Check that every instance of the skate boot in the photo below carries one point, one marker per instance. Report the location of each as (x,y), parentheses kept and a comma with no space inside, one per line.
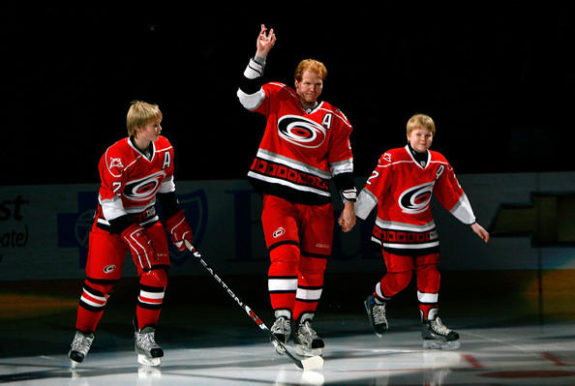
(376,314)
(149,352)
(307,342)
(79,348)
(282,331)
(436,335)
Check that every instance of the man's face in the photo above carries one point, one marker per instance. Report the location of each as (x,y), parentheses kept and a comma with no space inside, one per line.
(309,88)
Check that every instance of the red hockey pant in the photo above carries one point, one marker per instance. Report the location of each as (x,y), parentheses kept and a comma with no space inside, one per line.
(106,256)
(299,241)
(400,269)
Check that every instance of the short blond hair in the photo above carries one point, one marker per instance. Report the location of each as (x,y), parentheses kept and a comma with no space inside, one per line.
(420,121)
(140,114)
(310,65)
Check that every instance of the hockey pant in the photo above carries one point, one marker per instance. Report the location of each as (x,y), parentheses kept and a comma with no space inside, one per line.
(299,241)
(106,256)
(400,269)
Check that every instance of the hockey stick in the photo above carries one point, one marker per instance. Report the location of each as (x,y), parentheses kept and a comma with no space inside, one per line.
(310,363)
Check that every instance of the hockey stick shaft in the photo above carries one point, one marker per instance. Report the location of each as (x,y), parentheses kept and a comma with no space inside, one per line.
(243,306)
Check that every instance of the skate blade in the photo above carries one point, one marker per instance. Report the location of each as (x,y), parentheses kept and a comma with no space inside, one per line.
(149,373)
(439,345)
(145,361)
(73,364)
(382,332)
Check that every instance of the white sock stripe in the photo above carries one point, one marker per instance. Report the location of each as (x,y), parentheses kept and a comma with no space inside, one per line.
(378,290)
(92,303)
(427,297)
(102,299)
(309,294)
(152,295)
(282,284)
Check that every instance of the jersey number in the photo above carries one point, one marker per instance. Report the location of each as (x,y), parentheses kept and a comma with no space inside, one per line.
(374,174)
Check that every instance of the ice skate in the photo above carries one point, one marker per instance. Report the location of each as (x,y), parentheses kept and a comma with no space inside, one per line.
(376,314)
(307,342)
(437,336)
(282,331)
(149,352)
(79,348)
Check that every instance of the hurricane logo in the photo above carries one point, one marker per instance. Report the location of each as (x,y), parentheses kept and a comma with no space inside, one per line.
(416,200)
(279,232)
(145,188)
(301,131)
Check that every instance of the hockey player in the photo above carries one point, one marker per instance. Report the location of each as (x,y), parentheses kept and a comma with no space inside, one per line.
(401,186)
(304,147)
(135,172)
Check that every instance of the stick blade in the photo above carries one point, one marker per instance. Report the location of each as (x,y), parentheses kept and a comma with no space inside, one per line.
(312,363)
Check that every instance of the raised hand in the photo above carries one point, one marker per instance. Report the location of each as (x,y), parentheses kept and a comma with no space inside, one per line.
(265,42)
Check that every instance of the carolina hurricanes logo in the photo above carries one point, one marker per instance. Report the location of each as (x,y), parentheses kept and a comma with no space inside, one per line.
(145,188)
(279,232)
(301,131)
(416,199)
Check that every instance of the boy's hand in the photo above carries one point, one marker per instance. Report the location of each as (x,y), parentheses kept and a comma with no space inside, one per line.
(347,218)
(480,231)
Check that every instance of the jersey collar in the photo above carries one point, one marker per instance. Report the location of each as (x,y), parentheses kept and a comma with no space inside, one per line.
(149,154)
(421,159)
(311,110)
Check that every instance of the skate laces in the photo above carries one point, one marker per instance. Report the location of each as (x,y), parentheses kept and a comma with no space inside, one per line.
(82,342)
(306,333)
(378,313)
(438,327)
(281,326)
(145,339)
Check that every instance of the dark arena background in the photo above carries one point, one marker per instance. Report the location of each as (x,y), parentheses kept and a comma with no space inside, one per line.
(498,79)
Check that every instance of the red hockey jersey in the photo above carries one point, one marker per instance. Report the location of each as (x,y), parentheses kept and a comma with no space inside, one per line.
(130,181)
(300,150)
(402,190)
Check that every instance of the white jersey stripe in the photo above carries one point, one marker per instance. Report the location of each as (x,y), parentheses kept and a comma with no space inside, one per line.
(273,157)
(398,226)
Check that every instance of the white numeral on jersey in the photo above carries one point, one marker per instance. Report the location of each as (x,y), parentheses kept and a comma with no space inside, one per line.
(326,122)
(117,186)
(374,174)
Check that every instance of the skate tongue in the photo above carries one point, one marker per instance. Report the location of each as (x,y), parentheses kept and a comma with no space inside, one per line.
(315,362)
